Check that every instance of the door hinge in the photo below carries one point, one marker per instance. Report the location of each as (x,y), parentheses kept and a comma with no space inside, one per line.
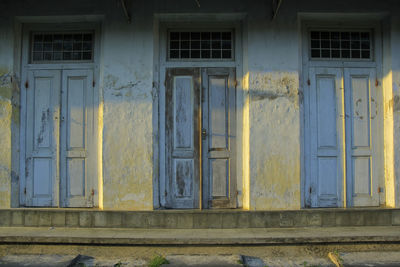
(380,190)
(26,84)
(235,83)
(92,192)
(308,82)
(310,190)
(94,83)
(376,83)
(203,134)
(25,190)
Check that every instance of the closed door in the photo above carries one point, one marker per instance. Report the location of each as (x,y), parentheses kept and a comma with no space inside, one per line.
(200,129)
(343,139)
(361,135)
(59,127)
(42,138)
(218,138)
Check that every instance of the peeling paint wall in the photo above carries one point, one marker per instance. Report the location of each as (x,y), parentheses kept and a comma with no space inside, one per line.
(5,137)
(274,112)
(6,113)
(127,111)
(274,141)
(394,80)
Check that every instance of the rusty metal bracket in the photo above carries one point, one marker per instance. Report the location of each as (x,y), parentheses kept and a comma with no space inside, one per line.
(126,13)
(276,4)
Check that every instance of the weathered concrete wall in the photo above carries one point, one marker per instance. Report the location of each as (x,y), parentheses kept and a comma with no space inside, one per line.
(127,87)
(6,110)
(274,112)
(395,80)
(274,141)
(5,136)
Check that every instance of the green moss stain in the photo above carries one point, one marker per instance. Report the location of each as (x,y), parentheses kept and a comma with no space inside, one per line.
(5,83)
(15,116)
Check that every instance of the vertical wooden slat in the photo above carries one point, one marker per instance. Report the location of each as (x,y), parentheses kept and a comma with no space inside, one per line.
(182,137)
(42,136)
(76,134)
(218,153)
(327,140)
(362,180)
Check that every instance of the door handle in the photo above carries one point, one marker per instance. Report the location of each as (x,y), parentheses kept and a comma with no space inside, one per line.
(203,134)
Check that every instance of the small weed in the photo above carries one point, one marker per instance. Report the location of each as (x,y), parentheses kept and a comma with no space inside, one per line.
(337,254)
(242,263)
(157,261)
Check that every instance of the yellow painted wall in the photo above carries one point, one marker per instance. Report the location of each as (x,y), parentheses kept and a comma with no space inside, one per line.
(127,132)
(274,140)
(5,137)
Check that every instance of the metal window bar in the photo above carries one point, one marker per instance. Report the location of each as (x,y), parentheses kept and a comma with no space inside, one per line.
(340,45)
(200,45)
(50,47)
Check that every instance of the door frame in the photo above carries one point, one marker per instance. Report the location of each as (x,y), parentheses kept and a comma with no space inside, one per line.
(26,66)
(163,25)
(339,23)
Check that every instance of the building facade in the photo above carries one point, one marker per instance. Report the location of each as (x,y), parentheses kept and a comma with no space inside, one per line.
(184,104)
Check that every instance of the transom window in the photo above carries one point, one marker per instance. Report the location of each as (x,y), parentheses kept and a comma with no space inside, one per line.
(340,44)
(209,45)
(61,46)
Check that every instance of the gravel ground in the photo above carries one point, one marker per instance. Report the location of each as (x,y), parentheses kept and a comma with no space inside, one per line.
(253,256)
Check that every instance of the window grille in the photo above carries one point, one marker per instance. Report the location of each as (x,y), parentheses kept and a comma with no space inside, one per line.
(200,45)
(340,44)
(55,47)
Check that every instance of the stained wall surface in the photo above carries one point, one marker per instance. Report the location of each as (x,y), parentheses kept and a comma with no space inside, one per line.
(6,109)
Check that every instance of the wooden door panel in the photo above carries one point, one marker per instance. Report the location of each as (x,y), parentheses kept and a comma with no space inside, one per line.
(219,171)
(362,181)
(328,194)
(183,108)
(42,181)
(76,177)
(326,113)
(77,130)
(183,178)
(42,138)
(326,122)
(218,111)
(219,126)
(76,111)
(182,138)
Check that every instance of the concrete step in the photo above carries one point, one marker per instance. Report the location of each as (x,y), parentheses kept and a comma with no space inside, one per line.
(243,236)
(198,219)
